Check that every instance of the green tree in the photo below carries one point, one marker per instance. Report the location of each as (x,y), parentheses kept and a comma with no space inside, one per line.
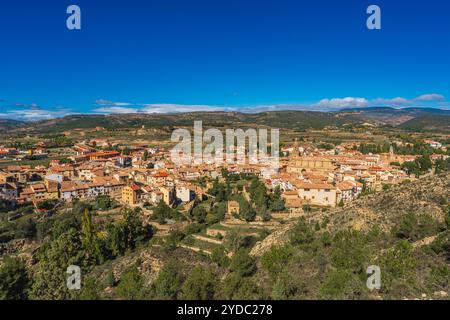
(54,257)
(26,229)
(90,290)
(350,251)
(398,266)
(169,281)
(442,165)
(235,240)
(127,234)
(246,211)
(131,284)
(199,214)
(14,281)
(447,217)
(87,231)
(145,155)
(221,191)
(162,212)
(424,163)
(258,193)
(276,201)
(110,280)
(439,278)
(89,239)
(218,256)
(415,227)
(240,288)
(104,202)
(276,259)
(342,284)
(217,213)
(242,263)
(302,233)
(285,288)
(199,285)
(134,231)
(116,240)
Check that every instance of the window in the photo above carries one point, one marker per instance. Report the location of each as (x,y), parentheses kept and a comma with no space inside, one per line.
(327,190)
(307,189)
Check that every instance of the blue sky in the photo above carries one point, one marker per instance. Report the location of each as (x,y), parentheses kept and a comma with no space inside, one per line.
(189,55)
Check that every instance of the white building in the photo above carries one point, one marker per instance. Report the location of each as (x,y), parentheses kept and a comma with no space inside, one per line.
(184,194)
(318,194)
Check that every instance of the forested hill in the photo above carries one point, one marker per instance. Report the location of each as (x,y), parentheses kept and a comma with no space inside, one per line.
(414,119)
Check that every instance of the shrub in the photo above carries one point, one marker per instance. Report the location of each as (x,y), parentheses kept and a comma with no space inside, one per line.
(242,263)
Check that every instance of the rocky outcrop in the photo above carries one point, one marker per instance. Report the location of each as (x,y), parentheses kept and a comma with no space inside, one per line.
(277,237)
(429,195)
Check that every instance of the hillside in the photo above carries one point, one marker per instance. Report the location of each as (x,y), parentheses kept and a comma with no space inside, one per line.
(405,231)
(428,123)
(417,119)
(426,196)
(298,120)
(325,256)
(318,258)
(405,118)
(382,210)
(8,124)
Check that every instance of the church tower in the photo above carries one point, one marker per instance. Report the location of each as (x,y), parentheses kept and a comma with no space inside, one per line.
(391,152)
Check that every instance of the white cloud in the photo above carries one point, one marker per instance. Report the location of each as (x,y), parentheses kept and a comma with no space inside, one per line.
(394,101)
(103,102)
(35,113)
(430,97)
(351,102)
(174,108)
(108,106)
(32,112)
(120,110)
(338,103)
(158,108)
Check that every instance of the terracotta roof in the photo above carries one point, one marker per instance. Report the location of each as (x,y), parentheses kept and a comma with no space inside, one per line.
(103,153)
(40,187)
(345,185)
(135,187)
(306,185)
(61,168)
(161,174)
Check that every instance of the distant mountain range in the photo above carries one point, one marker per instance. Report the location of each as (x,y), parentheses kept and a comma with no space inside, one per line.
(9,124)
(415,119)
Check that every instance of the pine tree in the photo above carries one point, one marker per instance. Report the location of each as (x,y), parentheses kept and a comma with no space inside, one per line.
(86,230)
(14,280)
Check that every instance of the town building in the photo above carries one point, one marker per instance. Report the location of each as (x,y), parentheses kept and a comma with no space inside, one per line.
(131,194)
(316,194)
